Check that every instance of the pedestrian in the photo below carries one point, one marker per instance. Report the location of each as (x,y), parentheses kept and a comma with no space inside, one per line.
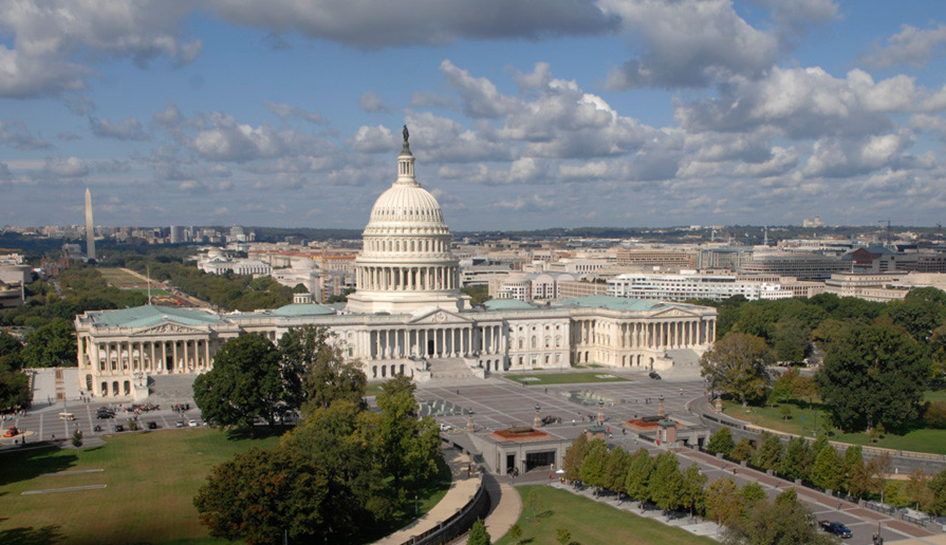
(573,421)
(624,431)
(546,390)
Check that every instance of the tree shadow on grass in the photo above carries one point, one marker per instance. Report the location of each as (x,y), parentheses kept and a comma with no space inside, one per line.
(47,535)
(28,464)
(256,432)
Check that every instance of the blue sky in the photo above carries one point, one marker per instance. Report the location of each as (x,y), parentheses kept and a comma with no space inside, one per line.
(523,115)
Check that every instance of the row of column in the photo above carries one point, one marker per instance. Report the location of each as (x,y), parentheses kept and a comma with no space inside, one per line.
(662,334)
(153,356)
(407,278)
(439,342)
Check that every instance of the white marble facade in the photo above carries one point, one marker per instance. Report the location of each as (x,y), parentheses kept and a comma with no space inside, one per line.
(407,316)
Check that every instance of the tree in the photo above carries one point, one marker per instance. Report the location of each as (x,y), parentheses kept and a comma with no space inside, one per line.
(852,459)
(666,482)
(736,365)
(615,471)
(478,534)
(918,490)
(316,370)
(535,504)
(742,451)
(409,445)
(797,459)
(593,470)
(721,442)
(827,471)
(575,457)
(261,494)
(637,482)
(937,485)
(51,345)
(515,533)
(723,501)
(785,521)
(563,536)
(792,340)
(77,439)
(873,374)
(246,382)
(751,493)
(692,495)
(769,455)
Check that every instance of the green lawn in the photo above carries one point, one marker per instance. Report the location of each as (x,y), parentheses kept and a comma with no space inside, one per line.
(805,421)
(120,278)
(566,378)
(151,480)
(593,523)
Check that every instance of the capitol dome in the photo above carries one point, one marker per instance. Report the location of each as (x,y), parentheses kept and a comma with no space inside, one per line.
(406,263)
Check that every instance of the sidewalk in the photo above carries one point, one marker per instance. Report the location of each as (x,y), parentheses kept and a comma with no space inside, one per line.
(461,491)
(505,506)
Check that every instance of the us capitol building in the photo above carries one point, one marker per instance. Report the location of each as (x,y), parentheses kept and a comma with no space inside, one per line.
(407,316)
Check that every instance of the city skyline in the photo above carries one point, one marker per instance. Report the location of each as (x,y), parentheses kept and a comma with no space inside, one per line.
(522,116)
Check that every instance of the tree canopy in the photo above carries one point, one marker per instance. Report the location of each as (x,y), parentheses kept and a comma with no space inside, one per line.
(736,365)
(873,374)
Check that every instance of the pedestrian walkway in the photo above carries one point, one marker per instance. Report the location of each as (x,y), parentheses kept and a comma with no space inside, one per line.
(505,506)
(461,491)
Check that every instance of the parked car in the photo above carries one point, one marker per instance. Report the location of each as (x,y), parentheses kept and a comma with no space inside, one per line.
(836,528)
(97,428)
(179,424)
(654,375)
(192,423)
(119,427)
(152,425)
(12,432)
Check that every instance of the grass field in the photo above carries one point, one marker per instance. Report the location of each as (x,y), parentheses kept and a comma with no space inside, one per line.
(567,378)
(593,523)
(804,420)
(151,480)
(120,278)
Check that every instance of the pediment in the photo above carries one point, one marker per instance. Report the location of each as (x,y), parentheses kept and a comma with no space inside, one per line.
(168,328)
(434,316)
(676,312)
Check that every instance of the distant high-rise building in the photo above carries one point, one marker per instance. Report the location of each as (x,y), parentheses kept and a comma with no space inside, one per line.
(177,234)
(89,226)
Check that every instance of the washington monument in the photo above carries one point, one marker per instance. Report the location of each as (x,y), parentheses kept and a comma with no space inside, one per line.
(89,227)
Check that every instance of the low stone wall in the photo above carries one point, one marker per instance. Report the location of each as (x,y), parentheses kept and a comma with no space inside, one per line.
(458,524)
(904,461)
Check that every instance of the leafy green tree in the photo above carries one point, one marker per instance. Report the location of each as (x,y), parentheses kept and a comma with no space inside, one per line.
(769,454)
(736,365)
(478,294)
(593,470)
(575,457)
(852,459)
(785,521)
(723,501)
(666,483)
(77,439)
(792,340)
(873,374)
(827,471)
(721,442)
(918,491)
(693,495)
(743,450)
(563,536)
(920,312)
(751,493)
(14,389)
(937,486)
(51,345)
(637,482)
(615,471)
(261,494)
(246,382)
(797,459)
(409,445)
(316,371)
(9,344)
(478,534)
(820,443)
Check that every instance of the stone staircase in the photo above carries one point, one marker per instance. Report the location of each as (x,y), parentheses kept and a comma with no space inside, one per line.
(450,368)
(684,357)
(171,388)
